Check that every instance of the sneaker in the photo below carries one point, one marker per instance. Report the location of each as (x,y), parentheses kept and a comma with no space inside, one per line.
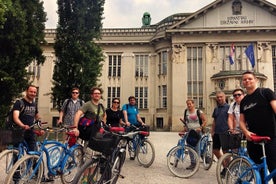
(191,167)
(222,173)
(45,180)
(132,158)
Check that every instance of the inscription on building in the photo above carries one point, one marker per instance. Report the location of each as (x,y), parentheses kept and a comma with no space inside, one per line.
(237,20)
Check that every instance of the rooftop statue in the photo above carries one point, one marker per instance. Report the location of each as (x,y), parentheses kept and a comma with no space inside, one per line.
(146,19)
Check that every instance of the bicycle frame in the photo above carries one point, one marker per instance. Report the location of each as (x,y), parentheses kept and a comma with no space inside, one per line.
(56,155)
(257,168)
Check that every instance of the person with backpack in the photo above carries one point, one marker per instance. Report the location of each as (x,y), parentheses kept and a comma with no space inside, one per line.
(234,110)
(25,117)
(70,107)
(131,113)
(257,116)
(194,121)
(89,117)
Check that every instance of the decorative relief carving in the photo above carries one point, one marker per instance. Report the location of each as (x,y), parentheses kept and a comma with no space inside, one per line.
(263,51)
(212,52)
(178,52)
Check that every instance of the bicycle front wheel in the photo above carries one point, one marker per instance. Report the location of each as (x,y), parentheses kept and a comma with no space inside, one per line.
(117,166)
(145,153)
(26,170)
(7,160)
(92,172)
(240,171)
(222,166)
(72,164)
(183,162)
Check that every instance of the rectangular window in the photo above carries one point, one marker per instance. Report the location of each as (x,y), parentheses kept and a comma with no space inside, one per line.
(141,65)
(114,65)
(274,65)
(159,123)
(34,69)
(162,90)
(112,92)
(141,95)
(195,75)
(241,62)
(163,61)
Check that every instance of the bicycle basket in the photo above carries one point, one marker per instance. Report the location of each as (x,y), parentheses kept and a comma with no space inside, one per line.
(104,144)
(11,136)
(230,141)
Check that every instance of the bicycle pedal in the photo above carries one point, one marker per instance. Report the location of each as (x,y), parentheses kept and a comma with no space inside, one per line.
(121,176)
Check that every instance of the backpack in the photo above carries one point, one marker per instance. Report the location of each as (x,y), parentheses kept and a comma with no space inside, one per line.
(67,103)
(197,113)
(10,124)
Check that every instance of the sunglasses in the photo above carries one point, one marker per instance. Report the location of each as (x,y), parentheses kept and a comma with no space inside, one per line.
(75,92)
(116,102)
(237,95)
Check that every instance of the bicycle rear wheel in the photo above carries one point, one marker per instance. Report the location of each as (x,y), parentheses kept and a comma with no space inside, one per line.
(72,164)
(183,162)
(239,172)
(145,153)
(7,160)
(26,170)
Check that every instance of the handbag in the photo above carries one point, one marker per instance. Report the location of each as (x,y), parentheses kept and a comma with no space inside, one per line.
(89,126)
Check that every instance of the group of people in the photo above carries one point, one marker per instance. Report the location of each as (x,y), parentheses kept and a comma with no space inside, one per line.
(252,113)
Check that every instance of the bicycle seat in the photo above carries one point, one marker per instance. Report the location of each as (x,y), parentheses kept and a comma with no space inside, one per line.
(181,134)
(38,132)
(257,139)
(117,129)
(144,133)
(72,134)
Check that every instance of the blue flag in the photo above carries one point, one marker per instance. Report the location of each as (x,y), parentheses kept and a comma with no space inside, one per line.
(250,54)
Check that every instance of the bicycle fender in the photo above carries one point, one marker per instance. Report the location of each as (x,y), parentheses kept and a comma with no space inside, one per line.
(171,150)
(252,163)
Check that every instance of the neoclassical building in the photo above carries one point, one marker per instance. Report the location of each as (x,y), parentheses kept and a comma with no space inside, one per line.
(184,56)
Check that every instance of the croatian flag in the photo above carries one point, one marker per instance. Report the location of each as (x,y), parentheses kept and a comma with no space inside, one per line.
(231,55)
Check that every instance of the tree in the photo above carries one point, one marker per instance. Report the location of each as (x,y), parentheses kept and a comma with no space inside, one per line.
(20,43)
(79,58)
(5,5)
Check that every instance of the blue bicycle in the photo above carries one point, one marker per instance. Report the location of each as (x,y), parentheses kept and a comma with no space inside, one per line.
(60,160)
(243,170)
(9,156)
(139,146)
(235,146)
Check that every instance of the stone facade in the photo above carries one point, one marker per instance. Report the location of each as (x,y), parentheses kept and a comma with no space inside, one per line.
(191,42)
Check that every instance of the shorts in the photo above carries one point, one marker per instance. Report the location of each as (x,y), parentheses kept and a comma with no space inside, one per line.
(216,142)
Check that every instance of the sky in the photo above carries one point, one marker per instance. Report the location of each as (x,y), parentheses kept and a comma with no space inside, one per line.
(128,13)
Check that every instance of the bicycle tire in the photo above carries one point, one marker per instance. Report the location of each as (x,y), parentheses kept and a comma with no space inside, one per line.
(7,162)
(236,168)
(91,172)
(207,155)
(145,153)
(222,161)
(131,150)
(73,162)
(179,160)
(23,170)
(117,166)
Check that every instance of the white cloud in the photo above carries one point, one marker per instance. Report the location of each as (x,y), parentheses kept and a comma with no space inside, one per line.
(128,13)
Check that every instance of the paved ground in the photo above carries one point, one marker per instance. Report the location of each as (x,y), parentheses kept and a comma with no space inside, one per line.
(158,172)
